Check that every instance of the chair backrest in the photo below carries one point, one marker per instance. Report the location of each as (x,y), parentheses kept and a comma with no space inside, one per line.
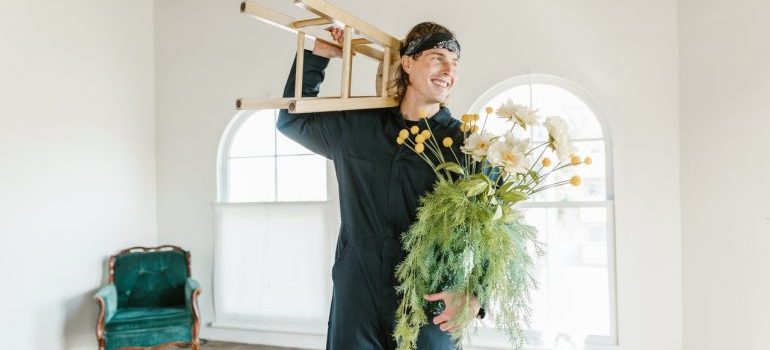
(150,277)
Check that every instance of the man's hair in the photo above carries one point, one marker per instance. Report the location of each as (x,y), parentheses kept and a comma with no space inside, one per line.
(421,30)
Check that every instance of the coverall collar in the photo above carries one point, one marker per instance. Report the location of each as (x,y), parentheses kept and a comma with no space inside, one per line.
(443,117)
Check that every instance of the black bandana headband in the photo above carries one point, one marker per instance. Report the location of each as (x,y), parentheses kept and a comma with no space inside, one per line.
(431,41)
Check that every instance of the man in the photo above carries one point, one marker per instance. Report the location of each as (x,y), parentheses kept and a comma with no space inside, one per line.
(380,183)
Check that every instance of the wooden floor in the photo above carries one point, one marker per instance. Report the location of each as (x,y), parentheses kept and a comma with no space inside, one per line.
(218,345)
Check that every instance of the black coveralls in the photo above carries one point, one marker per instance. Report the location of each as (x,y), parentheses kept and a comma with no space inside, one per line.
(380,184)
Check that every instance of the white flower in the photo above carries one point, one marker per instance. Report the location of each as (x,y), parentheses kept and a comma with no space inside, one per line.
(558,137)
(509,154)
(519,114)
(511,141)
(477,145)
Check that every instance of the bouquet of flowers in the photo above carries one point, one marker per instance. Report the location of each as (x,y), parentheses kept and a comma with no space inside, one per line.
(469,238)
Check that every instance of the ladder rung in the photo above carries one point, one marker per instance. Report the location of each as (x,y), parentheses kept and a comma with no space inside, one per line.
(360,41)
(341,104)
(327,10)
(316,104)
(282,21)
(310,22)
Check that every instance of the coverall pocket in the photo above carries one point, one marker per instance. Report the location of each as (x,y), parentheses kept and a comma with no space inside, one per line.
(343,247)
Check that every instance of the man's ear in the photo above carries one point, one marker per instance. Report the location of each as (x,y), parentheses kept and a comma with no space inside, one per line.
(406,63)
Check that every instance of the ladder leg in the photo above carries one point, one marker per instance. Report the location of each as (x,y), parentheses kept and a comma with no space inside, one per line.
(346,62)
(300,64)
(385,72)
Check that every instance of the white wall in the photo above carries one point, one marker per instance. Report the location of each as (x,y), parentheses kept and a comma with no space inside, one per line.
(77,160)
(623,53)
(725,123)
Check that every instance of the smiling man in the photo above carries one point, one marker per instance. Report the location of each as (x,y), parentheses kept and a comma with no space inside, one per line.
(380,184)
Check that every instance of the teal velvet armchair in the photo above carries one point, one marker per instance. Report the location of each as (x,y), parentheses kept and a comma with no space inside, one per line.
(150,300)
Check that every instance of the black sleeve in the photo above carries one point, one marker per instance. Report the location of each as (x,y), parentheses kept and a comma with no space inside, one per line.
(319,132)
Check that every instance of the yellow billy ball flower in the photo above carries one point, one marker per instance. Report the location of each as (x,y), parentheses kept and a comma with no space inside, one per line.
(475,128)
(575,180)
(575,159)
(419,138)
(546,162)
(465,127)
(476,117)
(447,142)
(400,141)
(466,118)
(422,114)
(425,134)
(419,147)
(489,110)
(588,161)
(403,133)
(414,130)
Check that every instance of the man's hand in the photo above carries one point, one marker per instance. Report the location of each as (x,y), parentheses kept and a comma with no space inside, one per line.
(323,49)
(454,304)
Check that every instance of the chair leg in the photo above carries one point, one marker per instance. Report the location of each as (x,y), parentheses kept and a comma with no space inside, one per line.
(196,326)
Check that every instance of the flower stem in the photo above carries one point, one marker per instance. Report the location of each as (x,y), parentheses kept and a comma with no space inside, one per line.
(532,166)
(433,137)
(560,183)
(536,147)
(455,155)
(425,158)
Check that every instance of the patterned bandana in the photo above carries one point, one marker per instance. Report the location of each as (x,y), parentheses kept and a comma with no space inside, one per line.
(432,41)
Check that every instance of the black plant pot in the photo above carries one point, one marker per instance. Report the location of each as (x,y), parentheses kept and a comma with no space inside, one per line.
(435,308)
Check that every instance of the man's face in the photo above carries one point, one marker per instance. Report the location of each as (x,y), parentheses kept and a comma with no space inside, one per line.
(433,74)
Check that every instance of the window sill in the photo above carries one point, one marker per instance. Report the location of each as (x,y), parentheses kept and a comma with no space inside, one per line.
(258,204)
(484,339)
(288,327)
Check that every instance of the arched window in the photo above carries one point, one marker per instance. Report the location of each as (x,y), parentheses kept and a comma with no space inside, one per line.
(273,219)
(259,164)
(574,306)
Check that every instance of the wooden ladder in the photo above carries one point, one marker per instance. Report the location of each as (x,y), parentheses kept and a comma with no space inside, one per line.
(328,14)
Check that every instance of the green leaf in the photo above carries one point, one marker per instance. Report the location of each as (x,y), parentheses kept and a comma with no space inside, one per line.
(479,177)
(521,188)
(498,213)
(451,166)
(513,196)
(474,187)
(534,175)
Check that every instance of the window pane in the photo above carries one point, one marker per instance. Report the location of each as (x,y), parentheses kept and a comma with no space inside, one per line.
(251,179)
(572,300)
(259,279)
(574,271)
(498,125)
(548,100)
(593,186)
(255,136)
(553,100)
(287,146)
(302,178)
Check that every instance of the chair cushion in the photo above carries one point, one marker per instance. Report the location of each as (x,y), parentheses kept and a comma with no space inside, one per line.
(147,279)
(135,318)
(150,338)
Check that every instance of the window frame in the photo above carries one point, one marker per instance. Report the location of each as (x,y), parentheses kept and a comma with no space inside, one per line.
(310,328)
(494,338)
(223,160)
